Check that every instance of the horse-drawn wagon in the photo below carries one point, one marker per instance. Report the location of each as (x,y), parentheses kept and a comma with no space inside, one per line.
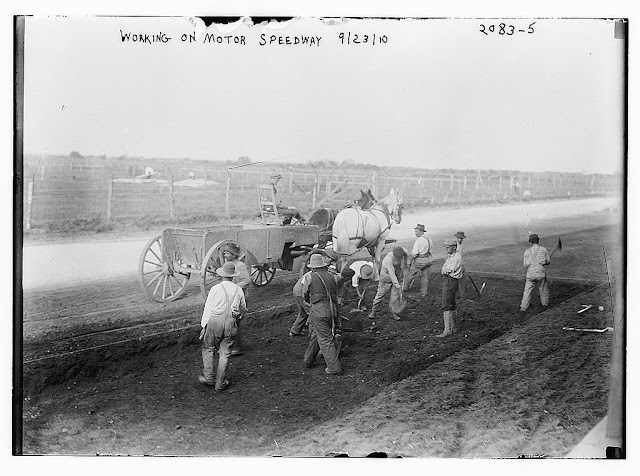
(169,260)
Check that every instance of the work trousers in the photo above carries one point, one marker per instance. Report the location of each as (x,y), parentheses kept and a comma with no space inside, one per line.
(449,291)
(219,336)
(237,343)
(543,289)
(423,274)
(321,338)
(383,289)
(302,317)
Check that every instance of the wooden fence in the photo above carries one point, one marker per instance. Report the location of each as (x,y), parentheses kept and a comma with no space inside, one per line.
(62,189)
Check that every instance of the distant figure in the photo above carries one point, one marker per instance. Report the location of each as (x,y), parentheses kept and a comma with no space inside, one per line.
(535,260)
(526,195)
(148,171)
(192,175)
(516,188)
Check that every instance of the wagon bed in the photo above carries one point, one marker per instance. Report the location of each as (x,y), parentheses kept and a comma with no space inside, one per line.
(168,261)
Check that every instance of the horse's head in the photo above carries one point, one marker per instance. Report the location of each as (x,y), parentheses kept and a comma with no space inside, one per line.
(393,201)
(366,199)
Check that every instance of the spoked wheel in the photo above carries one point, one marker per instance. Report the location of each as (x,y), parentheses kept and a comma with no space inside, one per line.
(262,274)
(157,276)
(214,260)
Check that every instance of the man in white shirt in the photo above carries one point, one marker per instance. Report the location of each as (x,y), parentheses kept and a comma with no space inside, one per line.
(452,271)
(535,260)
(224,307)
(420,261)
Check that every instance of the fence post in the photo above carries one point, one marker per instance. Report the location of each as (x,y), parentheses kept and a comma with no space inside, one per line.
(109,198)
(374,184)
(172,207)
(500,185)
(29,205)
(205,176)
(242,181)
(451,183)
(465,182)
(290,181)
(226,199)
(314,194)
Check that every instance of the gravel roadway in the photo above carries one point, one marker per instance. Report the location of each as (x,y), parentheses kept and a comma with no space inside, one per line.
(47,265)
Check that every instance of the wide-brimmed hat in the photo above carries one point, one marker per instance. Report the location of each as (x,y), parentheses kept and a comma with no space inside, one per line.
(460,234)
(233,249)
(366,271)
(316,261)
(228,270)
(451,242)
(420,227)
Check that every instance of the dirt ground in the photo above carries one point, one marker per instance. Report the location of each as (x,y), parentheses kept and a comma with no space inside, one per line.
(108,372)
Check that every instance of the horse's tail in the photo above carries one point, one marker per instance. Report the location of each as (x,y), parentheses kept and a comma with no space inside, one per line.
(341,235)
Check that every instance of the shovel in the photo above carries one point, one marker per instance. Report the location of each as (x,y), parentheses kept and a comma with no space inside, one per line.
(606,329)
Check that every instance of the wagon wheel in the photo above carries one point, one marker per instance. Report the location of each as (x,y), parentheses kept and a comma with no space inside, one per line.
(262,274)
(157,276)
(214,259)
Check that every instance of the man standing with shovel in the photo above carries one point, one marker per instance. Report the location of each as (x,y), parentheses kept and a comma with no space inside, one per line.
(452,271)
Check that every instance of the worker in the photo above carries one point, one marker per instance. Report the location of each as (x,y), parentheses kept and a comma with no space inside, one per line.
(321,292)
(360,274)
(535,259)
(223,309)
(462,284)
(231,254)
(420,261)
(303,307)
(391,272)
(452,271)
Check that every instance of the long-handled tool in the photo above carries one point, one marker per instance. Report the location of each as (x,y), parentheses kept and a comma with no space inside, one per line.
(557,248)
(606,329)
(585,307)
(479,291)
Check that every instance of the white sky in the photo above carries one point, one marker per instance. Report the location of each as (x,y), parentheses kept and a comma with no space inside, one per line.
(439,93)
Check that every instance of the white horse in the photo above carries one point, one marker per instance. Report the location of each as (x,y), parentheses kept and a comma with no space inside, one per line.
(354,229)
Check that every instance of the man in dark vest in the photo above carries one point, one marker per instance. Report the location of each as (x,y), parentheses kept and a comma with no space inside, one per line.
(321,292)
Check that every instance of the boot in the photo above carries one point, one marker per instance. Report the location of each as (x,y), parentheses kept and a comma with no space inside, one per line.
(453,315)
(447,324)
(372,314)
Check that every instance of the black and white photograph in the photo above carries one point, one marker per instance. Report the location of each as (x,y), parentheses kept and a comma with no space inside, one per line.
(320,236)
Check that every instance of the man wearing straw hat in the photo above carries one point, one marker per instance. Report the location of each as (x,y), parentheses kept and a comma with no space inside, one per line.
(420,261)
(232,254)
(452,271)
(321,292)
(224,307)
